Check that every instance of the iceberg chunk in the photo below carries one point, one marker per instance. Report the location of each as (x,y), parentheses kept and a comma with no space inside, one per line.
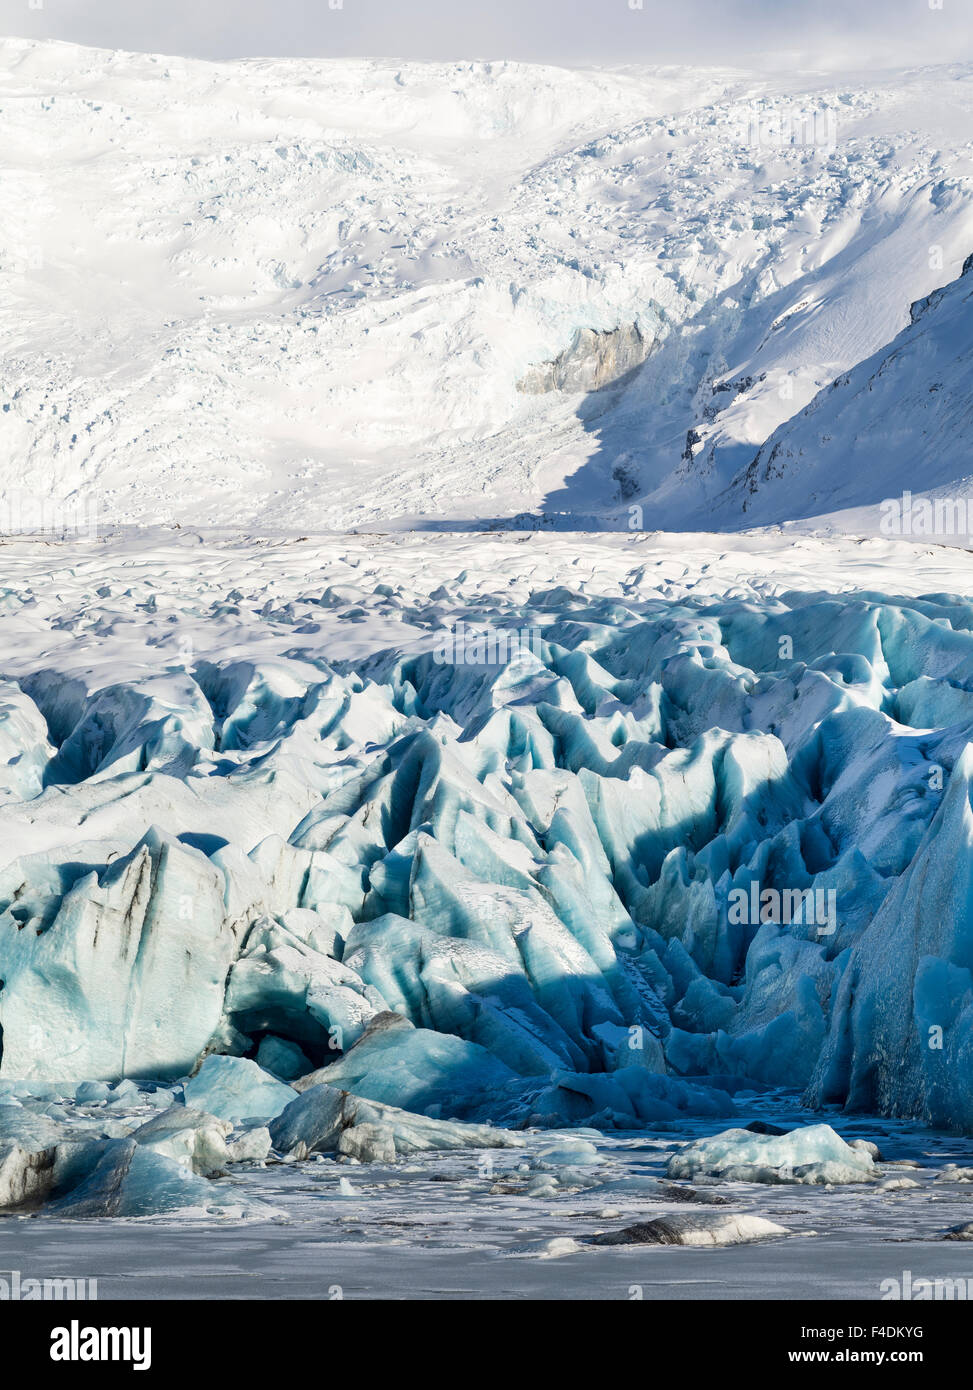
(317,1120)
(814,1154)
(187,1136)
(132,1180)
(234,1088)
(695,1228)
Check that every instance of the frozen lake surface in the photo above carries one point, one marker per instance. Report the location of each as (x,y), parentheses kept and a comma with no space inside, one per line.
(439,1229)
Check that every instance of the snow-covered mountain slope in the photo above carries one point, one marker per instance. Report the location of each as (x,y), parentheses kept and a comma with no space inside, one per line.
(900,421)
(306,294)
(602,820)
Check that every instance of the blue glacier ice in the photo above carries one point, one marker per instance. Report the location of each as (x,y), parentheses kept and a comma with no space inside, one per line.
(235,1088)
(813,1154)
(677,847)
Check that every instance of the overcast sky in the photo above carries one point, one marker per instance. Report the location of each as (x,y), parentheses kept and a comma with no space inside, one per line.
(831,32)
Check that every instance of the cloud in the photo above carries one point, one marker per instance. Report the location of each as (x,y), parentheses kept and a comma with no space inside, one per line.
(813,32)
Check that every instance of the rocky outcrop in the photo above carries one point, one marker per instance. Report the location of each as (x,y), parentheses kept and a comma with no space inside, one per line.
(591,362)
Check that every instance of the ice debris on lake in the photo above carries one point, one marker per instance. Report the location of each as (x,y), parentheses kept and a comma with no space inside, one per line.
(694,1228)
(83,1167)
(325,1119)
(814,1154)
(390,901)
(146,1160)
(234,1088)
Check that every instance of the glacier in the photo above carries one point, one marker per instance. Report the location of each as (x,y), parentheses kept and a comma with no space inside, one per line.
(425,838)
(363,815)
(335,294)
(344,895)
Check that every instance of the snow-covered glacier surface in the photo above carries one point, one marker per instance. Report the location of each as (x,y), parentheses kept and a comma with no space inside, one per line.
(380,850)
(321,295)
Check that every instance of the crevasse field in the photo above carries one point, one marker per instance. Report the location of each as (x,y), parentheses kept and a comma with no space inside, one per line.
(502,898)
(454,937)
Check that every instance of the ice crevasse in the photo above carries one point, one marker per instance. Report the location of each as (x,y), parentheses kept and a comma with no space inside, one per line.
(668,849)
